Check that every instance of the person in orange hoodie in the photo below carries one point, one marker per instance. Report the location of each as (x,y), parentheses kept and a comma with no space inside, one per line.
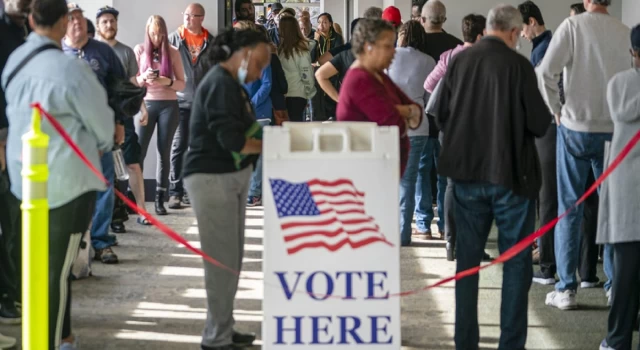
(192,40)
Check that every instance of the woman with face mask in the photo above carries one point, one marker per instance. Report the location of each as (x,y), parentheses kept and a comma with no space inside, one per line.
(224,145)
(368,94)
(162,73)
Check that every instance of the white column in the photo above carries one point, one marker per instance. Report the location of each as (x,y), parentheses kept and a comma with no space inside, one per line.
(360,6)
(631,12)
(337,10)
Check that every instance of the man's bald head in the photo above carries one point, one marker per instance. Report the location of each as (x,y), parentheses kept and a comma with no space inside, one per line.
(195,7)
(193,18)
(434,14)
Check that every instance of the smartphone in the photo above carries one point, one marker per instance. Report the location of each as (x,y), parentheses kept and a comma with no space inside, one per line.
(156,72)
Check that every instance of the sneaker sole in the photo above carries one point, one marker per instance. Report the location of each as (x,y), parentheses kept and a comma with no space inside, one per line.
(544,281)
(587,285)
(564,308)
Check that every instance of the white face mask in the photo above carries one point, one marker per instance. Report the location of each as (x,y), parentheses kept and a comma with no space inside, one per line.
(243,70)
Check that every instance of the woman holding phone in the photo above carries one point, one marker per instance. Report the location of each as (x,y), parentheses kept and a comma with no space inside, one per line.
(162,73)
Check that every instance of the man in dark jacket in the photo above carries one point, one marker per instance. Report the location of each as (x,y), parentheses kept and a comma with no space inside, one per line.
(535,31)
(491,111)
(193,41)
(13,31)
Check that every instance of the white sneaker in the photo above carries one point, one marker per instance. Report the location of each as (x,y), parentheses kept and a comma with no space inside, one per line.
(7,342)
(605,346)
(587,284)
(562,300)
(608,297)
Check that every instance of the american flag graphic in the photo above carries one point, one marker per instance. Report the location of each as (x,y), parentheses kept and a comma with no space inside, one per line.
(324,214)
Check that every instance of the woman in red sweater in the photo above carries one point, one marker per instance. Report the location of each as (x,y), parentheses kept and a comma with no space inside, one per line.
(368,94)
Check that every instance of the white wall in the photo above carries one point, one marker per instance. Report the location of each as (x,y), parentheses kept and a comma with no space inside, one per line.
(131,26)
(553,11)
(134,15)
(631,12)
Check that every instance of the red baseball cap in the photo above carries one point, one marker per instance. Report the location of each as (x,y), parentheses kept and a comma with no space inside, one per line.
(392,14)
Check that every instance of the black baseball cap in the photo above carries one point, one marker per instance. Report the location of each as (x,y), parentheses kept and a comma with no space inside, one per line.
(635,37)
(107,9)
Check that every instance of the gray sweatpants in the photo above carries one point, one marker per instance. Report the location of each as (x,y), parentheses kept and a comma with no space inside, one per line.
(219,202)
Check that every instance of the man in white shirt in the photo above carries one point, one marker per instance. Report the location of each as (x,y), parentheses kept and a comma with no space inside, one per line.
(590,48)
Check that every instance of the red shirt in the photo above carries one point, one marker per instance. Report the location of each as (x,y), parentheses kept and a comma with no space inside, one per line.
(363,98)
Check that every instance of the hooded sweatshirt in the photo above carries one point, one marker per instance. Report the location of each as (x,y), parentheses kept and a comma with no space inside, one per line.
(192,67)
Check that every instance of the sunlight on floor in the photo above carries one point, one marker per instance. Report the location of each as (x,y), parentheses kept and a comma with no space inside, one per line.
(247,247)
(159,337)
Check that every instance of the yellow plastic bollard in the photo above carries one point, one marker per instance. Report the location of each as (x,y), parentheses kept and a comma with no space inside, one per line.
(35,238)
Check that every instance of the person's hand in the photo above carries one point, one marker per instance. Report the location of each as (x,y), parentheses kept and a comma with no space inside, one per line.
(144,118)
(160,81)
(317,35)
(119,136)
(149,75)
(557,119)
(413,120)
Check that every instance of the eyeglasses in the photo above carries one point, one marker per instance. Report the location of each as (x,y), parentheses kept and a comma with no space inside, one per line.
(188,15)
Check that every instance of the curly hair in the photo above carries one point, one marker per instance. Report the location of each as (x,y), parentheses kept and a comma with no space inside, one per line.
(368,31)
(413,35)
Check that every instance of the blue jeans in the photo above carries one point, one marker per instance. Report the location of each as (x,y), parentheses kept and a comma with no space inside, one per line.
(101,222)
(408,187)
(424,197)
(255,189)
(476,205)
(577,153)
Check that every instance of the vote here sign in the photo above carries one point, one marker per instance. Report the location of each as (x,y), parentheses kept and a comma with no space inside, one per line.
(331,258)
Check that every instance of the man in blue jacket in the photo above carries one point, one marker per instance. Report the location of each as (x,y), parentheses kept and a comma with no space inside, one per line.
(260,91)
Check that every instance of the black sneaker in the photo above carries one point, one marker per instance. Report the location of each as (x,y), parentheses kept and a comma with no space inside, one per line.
(9,314)
(242,339)
(224,347)
(185,199)
(118,227)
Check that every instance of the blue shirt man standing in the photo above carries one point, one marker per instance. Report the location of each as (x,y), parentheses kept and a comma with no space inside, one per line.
(104,62)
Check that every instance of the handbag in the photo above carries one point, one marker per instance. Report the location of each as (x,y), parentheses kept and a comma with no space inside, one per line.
(125,98)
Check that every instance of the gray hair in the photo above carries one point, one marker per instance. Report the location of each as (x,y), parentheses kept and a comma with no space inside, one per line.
(373,12)
(601,2)
(434,12)
(368,31)
(504,18)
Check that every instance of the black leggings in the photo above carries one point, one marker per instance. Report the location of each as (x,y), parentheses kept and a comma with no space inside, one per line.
(625,295)
(166,115)
(295,107)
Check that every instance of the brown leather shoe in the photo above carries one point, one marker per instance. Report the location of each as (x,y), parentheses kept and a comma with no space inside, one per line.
(106,255)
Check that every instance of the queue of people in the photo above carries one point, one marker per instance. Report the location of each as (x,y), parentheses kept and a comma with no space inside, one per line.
(552,121)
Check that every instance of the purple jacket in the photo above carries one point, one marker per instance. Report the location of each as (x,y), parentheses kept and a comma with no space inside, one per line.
(441,68)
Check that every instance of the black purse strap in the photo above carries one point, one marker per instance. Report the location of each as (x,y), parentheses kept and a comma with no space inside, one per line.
(27,59)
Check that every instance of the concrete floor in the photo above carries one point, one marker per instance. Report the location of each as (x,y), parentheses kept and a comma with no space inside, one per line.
(154,299)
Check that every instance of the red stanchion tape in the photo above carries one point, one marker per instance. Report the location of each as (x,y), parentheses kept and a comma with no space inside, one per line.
(519,247)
